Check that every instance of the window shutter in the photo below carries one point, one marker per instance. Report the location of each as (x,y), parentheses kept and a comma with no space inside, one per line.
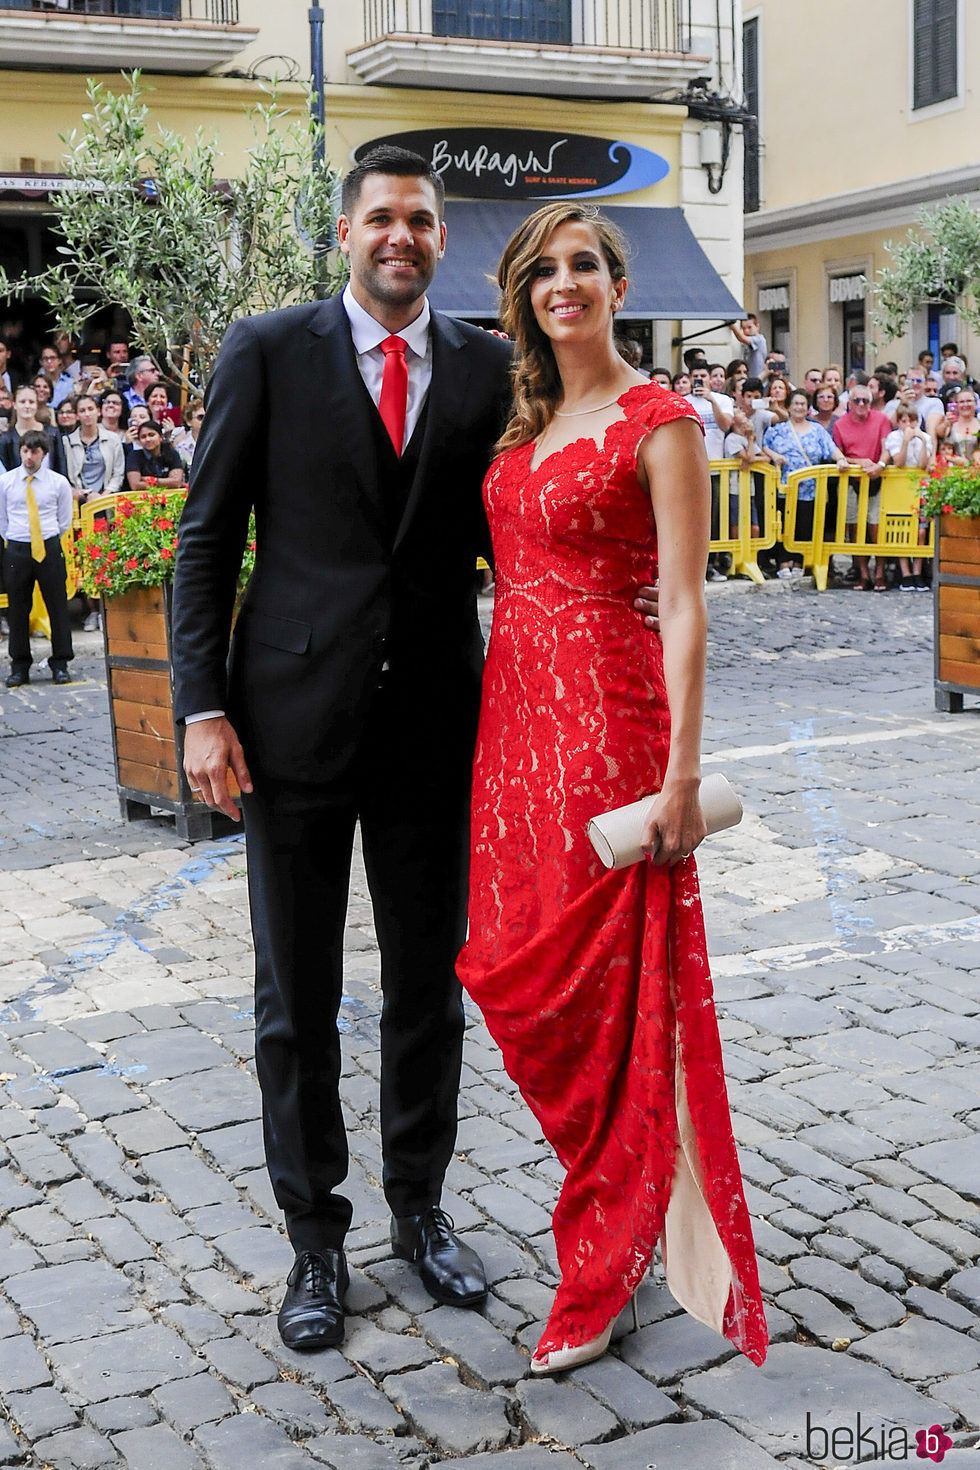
(750,88)
(934,61)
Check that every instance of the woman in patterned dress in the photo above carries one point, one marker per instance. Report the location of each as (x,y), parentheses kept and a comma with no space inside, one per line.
(595,984)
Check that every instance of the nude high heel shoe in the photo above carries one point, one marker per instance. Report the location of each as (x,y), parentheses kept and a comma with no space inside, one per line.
(564,1358)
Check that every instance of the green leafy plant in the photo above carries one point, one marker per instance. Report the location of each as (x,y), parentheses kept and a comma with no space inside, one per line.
(954,491)
(137,547)
(148,224)
(937,265)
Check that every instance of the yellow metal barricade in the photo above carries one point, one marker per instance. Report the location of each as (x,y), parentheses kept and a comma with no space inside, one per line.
(745,497)
(835,533)
(99,507)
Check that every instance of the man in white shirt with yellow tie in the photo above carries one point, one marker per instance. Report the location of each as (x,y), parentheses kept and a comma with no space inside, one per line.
(35,512)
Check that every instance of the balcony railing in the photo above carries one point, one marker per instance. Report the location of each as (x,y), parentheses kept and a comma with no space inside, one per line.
(212,12)
(561,48)
(178,36)
(629,25)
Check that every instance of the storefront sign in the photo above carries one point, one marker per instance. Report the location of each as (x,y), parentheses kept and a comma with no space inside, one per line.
(518,163)
(45,184)
(847,288)
(774,298)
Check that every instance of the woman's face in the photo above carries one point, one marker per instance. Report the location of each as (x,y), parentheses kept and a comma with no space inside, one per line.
(43,389)
(682,383)
(66,416)
(798,406)
(966,402)
(832,376)
(156,399)
(572,292)
(824,400)
(25,403)
(197,419)
(88,413)
(777,391)
(112,406)
(138,415)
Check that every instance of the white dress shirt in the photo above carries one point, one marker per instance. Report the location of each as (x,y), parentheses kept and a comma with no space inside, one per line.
(54,504)
(368,335)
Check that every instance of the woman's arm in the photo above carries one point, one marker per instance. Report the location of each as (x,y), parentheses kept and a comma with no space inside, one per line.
(674,468)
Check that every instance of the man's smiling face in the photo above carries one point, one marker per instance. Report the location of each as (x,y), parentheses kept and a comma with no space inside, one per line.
(394,238)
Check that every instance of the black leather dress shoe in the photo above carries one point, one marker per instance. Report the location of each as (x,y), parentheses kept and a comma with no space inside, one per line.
(16,679)
(60,676)
(450,1272)
(312,1313)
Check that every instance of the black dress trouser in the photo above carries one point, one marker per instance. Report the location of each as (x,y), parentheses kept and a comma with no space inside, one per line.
(414,833)
(20,572)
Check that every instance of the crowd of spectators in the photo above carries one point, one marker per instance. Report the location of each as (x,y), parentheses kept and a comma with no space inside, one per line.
(752,411)
(107,420)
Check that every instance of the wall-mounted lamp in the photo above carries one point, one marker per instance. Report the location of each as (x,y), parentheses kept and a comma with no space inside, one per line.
(711,154)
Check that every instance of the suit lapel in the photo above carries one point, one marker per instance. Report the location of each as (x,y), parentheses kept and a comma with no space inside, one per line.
(341,405)
(447,391)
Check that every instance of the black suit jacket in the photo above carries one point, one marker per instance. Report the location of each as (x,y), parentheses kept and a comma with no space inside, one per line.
(289,430)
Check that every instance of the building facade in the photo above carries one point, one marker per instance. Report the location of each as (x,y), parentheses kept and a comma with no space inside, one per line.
(628,102)
(866,113)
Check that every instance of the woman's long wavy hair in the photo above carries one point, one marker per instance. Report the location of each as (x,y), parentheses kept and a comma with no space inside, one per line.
(536,383)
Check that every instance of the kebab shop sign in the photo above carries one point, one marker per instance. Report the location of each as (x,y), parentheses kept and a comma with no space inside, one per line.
(524,163)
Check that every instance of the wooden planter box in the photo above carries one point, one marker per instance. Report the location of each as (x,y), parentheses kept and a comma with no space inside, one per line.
(957,610)
(147,745)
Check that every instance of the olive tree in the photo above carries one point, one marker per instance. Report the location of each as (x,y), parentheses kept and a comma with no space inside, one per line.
(935,266)
(147,223)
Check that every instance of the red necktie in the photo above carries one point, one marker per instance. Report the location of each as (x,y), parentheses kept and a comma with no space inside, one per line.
(393,402)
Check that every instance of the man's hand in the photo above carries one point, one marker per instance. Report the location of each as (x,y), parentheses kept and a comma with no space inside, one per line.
(647,602)
(211,748)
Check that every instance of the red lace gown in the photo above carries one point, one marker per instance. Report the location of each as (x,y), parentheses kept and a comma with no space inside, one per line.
(595,983)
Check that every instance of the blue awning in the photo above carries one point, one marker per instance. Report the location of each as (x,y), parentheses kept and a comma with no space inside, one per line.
(670,277)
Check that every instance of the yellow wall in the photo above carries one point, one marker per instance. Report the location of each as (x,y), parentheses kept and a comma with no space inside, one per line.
(816,335)
(815,339)
(836,99)
(37,107)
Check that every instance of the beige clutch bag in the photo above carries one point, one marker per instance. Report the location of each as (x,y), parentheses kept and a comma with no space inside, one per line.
(616,835)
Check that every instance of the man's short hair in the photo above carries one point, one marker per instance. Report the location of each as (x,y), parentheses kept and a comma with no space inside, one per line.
(950,347)
(860,378)
(695,355)
(387,159)
(35,439)
(137,366)
(752,385)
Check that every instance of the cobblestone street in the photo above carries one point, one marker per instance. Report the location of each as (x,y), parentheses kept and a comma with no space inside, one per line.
(141,1257)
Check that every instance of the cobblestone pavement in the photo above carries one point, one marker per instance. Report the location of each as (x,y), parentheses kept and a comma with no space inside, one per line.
(141,1259)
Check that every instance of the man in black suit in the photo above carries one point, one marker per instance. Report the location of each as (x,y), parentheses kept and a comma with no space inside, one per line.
(351,695)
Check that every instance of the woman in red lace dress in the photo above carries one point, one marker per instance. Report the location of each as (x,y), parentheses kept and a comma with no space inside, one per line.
(595,984)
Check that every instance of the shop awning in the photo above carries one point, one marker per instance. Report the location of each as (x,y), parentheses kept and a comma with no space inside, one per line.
(671,278)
